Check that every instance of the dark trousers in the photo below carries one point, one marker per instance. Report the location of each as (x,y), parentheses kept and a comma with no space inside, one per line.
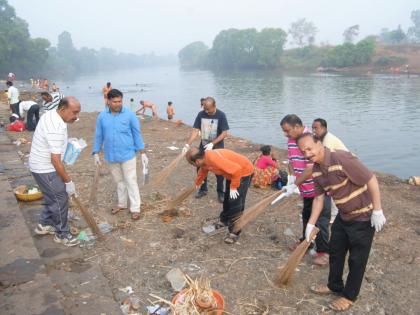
(56,202)
(323,222)
(32,117)
(356,238)
(233,208)
(220,184)
(15,108)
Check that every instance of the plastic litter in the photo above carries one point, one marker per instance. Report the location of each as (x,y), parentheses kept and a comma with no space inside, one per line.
(105,227)
(157,310)
(127,290)
(73,150)
(173,148)
(209,228)
(177,279)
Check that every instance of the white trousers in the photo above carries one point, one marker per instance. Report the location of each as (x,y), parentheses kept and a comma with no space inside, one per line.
(125,175)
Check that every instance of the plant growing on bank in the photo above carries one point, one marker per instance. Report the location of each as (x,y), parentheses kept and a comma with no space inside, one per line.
(194,55)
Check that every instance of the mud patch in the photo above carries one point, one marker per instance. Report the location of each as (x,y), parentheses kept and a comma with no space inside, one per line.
(20,271)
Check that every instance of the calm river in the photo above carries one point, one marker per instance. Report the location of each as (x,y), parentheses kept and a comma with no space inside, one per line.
(377,117)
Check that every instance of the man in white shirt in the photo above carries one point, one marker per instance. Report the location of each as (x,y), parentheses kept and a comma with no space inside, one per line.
(51,100)
(13,97)
(30,109)
(45,162)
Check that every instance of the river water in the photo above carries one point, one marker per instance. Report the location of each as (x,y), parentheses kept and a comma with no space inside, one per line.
(376,116)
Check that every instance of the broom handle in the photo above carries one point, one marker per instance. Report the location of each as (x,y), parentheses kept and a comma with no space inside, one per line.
(94,188)
(88,217)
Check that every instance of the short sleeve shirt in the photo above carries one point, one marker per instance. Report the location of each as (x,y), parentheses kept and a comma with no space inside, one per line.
(211,127)
(345,178)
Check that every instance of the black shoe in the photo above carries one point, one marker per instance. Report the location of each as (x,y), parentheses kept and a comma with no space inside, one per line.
(221,197)
(200,194)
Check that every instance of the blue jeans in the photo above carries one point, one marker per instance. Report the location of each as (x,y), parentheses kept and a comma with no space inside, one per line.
(56,202)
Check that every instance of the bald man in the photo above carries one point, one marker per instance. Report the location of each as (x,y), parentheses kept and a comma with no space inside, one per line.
(49,144)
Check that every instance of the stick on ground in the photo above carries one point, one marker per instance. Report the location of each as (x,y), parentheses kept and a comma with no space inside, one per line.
(161,177)
(176,201)
(285,275)
(88,218)
(254,211)
(94,188)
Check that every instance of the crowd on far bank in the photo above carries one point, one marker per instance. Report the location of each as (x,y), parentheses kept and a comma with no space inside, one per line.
(333,183)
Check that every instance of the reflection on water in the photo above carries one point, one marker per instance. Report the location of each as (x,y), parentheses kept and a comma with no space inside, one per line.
(377,117)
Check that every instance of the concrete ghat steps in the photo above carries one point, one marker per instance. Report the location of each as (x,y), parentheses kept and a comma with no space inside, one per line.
(32,277)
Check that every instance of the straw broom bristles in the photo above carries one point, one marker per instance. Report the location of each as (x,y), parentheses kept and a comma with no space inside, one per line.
(88,218)
(161,177)
(176,201)
(252,212)
(285,275)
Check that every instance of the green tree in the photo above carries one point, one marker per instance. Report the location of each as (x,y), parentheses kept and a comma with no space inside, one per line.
(270,43)
(414,31)
(303,32)
(393,37)
(351,33)
(193,55)
(349,54)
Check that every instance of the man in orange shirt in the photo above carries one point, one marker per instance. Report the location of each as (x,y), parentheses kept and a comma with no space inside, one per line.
(105,91)
(237,170)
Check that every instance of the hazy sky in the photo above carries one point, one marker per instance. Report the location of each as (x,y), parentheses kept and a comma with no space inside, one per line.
(165,26)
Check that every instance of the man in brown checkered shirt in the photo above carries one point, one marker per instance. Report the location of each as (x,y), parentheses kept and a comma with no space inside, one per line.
(355,191)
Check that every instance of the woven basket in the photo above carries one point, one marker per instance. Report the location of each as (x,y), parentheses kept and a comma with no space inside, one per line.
(20,195)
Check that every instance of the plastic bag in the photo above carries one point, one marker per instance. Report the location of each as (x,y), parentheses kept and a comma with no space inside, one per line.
(17,125)
(73,150)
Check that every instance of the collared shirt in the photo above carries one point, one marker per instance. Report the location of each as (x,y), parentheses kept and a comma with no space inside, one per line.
(50,137)
(229,164)
(299,164)
(56,98)
(345,178)
(13,95)
(119,134)
(333,143)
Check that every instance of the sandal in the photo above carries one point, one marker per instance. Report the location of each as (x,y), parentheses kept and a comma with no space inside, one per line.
(116,210)
(231,238)
(321,289)
(135,216)
(340,305)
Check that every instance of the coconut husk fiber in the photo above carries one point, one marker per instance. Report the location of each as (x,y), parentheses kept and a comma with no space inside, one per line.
(284,277)
(177,200)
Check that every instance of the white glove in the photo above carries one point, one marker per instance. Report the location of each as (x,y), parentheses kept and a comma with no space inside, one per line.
(290,189)
(234,193)
(186,148)
(144,160)
(377,220)
(70,188)
(209,146)
(97,159)
(291,179)
(308,231)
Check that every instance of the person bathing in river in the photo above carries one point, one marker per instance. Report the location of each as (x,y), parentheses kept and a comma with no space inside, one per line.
(145,105)
(170,111)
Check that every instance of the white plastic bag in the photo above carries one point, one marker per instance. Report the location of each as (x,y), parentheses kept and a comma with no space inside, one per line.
(73,150)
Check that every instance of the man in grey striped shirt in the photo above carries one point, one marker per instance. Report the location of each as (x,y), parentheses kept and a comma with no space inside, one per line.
(51,100)
(45,162)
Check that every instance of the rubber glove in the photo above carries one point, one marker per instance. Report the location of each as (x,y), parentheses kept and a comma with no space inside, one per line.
(291,179)
(234,194)
(186,148)
(308,231)
(70,188)
(97,159)
(144,160)
(209,146)
(377,220)
(290,189)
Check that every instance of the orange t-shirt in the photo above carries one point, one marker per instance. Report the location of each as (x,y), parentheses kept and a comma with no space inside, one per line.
(229,164)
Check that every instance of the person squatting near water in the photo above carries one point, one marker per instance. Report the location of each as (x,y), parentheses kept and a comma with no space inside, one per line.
(237,170)
(213,126)
(301,177)
(49,144)
(118,131)
(355,191)
(145,105)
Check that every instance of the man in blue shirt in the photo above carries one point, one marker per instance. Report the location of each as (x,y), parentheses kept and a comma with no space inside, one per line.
(118,131)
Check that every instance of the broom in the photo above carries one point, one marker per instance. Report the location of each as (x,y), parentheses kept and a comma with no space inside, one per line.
(88,218)
(252,212)
(176,201)
(167,171)
(94,189)
(286,273)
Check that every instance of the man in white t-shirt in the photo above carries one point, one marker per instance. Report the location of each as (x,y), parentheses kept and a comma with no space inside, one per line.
(30,110)
(13,97)
(45,162)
